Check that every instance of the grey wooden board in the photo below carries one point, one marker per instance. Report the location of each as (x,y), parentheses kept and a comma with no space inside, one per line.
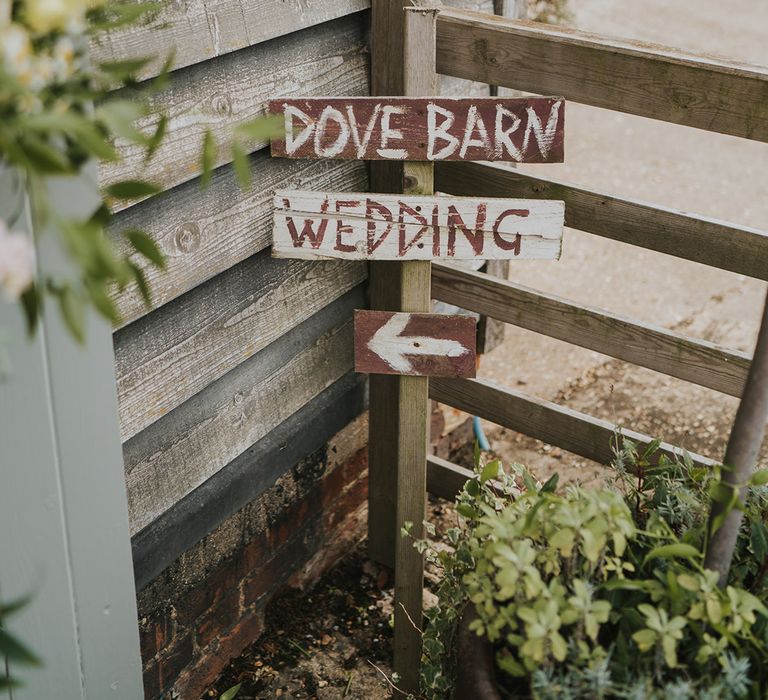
(199,31)
(717,243)
(65,539)
(330,59)
(203,233)
(165,358)
(644,344)
(176,454)
(445,479)
(246,477)
(554,424)
(627,76)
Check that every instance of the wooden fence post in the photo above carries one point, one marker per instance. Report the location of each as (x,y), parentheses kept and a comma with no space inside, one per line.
(384,286)
(419,78)
(64,538)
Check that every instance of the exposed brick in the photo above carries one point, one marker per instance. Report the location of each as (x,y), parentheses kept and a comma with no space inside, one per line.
(222,615)
(151,679)
(193,681)
(173,661)
(156,634)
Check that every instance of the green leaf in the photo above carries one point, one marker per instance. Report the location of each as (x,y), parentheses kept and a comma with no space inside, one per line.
(8,609)
(119,117)
(231,693)
(490,471)
(102,301)
(43,157)
(670,551)
(127,68)
(759,478)
(207,158)
(31,304)
(146,246)
(141,282)
(15,651)
(72,312)
(241,165)
(551,484)
(157,137)
(262,128)
(132,189)
(759,541)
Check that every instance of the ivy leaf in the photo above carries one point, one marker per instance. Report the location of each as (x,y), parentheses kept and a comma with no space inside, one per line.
(551,484)
(146,246)
(231,693)
(678,550)
(490,471)
(132,189)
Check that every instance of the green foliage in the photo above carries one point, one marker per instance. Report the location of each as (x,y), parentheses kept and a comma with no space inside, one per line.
(231,693)
(58,112)
(12,650)
(602,593)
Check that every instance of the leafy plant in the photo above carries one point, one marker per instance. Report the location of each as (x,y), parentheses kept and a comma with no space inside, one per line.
(58,113)
(601,593)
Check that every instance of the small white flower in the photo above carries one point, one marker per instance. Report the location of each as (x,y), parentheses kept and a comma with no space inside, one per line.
(17,263)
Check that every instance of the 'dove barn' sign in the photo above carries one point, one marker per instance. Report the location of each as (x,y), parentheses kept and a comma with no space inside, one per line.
(522,130)
(364,226)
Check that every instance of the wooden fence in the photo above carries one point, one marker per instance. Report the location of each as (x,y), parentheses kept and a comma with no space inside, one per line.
(632,77)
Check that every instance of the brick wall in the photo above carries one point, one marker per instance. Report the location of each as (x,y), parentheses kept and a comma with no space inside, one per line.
(209,605)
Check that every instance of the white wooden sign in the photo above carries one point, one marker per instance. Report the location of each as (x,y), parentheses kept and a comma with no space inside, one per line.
(365,226)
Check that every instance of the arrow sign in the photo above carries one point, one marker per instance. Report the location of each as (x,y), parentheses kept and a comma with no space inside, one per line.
(427,345)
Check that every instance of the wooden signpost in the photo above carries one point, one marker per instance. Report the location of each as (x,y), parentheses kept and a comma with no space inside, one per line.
(364,226)
(413,229)
(521,130)
(423,345)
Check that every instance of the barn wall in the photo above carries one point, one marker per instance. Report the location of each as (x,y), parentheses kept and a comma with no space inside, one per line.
(243,441)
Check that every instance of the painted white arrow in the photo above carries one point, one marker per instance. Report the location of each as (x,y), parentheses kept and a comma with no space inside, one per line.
(392,346)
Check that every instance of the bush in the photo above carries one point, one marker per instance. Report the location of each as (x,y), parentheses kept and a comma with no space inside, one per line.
(602,593)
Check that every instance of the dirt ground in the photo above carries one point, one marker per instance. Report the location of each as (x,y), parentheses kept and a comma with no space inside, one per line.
(336,642)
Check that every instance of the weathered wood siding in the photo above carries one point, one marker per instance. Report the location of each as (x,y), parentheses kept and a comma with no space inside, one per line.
(237,343)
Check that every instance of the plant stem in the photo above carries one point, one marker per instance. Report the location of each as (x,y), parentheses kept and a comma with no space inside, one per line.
(741,455)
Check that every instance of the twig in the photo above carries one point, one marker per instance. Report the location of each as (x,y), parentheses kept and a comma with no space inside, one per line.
(349,683)
(410,619)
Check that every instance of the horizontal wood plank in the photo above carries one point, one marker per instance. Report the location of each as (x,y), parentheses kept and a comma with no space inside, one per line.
(328,59)
(204,233)
(175,455)
(167,357)
(361,226)
(445,479)
(556,425)
(643,344)
(245,478)
(199,31)
(716,243)
(627,76)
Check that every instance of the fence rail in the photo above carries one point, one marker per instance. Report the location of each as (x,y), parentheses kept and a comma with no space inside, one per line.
(626,76)
(715,243)
(644,344)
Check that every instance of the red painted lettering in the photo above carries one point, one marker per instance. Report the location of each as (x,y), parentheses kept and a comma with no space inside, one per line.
(499,239)
(476,238)
(307,232)
(370,207)
(342,228)
(419,219)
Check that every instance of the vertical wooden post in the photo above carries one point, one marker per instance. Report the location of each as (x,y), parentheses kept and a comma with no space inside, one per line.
(419,78)
(64,537)
(384,286)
